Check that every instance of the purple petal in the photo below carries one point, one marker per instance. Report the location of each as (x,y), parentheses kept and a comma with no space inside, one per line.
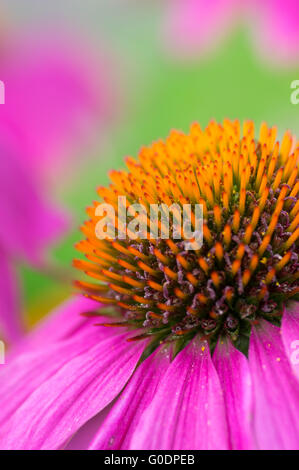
(34,362)
(84,436)
(81,386)
(194,25)
(187,411)
(121,423)
(56,340)
(233,371)
(10,322)
(290,335)
(275,389)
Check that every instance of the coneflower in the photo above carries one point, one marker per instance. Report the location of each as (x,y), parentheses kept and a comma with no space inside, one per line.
(212,330)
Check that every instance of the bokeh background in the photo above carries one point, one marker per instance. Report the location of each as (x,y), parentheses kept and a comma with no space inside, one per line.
(149,90)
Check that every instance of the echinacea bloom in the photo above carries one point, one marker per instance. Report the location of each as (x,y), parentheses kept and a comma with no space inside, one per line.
(176,349)
(55,95)
(192,26)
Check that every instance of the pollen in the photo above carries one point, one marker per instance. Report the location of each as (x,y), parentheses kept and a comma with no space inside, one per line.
(247,266)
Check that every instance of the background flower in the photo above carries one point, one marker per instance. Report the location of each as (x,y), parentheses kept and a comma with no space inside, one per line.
(193,26)
(57,96)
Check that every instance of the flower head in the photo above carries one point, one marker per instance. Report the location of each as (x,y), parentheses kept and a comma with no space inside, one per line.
(247,267)
(191,381)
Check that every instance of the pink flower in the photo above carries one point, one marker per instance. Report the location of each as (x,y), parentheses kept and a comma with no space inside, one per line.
(199,347)
(55,96)
(192,26)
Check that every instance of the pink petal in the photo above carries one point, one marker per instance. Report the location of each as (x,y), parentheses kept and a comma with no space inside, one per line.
(79,389)
(30,364)
(275,389)
(290,335)
(63,323)
(10,322)
(233,371)
(28,222)
(187,411)
(121,423)
(57,91)
(26,372)
(83,437)
(194,25)
(277,32)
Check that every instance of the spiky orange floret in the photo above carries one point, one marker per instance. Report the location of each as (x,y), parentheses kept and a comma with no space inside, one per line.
(248,264)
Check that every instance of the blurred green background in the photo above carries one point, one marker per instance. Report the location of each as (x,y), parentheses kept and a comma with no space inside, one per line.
(158,93)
